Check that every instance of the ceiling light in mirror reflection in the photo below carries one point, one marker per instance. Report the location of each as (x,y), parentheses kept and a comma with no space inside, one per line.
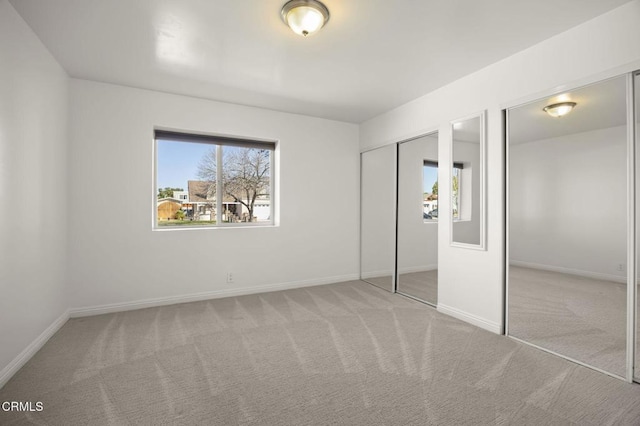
(560,109)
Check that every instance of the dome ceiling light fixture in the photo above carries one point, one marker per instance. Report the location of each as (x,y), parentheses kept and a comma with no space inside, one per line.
(304,17)
(560,109)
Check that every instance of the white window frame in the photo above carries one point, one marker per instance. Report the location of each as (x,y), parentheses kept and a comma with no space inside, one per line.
(218,141)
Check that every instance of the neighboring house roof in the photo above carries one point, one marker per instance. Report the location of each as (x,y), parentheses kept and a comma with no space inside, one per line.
(430,197)
(169,200)
(199,192)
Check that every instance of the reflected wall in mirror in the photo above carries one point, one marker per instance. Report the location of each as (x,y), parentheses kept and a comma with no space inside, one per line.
(418,218)
(377,215)
(467,182)
(567,236)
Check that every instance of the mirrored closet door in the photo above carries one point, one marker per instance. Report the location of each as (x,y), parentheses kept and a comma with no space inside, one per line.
(567,224)
(377,216)
(418,218)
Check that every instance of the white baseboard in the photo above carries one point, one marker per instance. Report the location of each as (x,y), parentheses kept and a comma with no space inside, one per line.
(216,294)
(16,364)
(12,368)
(494,327)
(578,272)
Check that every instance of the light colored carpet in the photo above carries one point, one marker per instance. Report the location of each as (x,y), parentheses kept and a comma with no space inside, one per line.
(578,317)
(340,354)
(423,285)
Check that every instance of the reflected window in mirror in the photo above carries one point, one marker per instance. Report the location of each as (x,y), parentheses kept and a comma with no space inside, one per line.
(430,191)
(456,190)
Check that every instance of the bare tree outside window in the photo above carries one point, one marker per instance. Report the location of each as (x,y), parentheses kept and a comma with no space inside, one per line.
(245,175)
(208,171)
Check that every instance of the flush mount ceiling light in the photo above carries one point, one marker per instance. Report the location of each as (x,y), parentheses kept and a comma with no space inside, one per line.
(559,109)
(304,17)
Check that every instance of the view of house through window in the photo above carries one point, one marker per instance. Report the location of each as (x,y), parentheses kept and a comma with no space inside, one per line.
(205,180)
(430,191)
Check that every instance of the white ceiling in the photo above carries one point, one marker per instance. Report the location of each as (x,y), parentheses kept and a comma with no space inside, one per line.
(372,56)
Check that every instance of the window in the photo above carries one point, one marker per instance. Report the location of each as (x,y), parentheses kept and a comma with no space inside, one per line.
(204,180)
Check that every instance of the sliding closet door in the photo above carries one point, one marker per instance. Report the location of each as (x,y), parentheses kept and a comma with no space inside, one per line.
(377,213)
(567,204)
(418,218)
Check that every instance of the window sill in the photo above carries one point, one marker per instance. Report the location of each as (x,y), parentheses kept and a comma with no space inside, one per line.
(197,228)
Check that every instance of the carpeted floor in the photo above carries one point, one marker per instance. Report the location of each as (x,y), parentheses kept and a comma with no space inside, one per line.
(582,318)
(340,354)
(423,285)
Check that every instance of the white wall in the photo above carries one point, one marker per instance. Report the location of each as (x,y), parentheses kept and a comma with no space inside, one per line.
(471,281)
(33,149)
(568,203)
(115,255)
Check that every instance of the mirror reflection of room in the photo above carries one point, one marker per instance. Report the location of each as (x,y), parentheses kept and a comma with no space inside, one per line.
(418,218)
(567,224)
(378,203)
(466,181)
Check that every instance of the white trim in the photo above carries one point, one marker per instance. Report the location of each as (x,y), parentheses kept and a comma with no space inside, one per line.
(195,297)
(562,270)
(482,245)
(494,327)
(394,278)
(507,214)
(402,139)
(631,228)
(23,357)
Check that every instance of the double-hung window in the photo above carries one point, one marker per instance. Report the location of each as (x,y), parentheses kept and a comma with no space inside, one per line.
(212,181)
